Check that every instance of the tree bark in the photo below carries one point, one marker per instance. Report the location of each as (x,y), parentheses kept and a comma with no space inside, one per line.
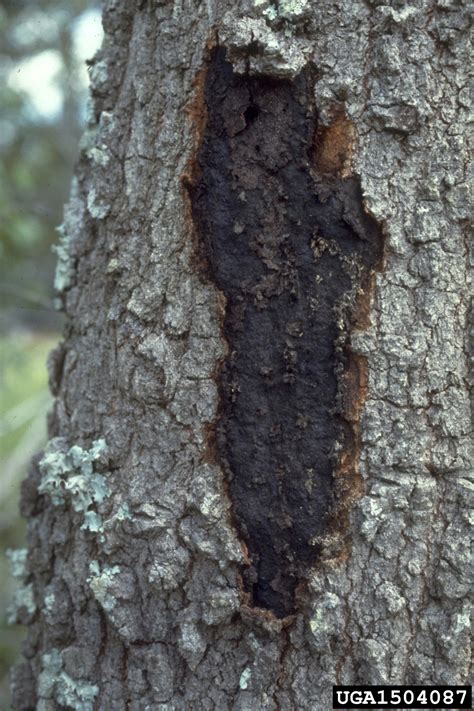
(257,480)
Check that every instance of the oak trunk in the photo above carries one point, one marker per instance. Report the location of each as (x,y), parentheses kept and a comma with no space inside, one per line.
(257,478)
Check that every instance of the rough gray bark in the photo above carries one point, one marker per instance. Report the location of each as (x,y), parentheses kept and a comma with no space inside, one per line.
(133,580)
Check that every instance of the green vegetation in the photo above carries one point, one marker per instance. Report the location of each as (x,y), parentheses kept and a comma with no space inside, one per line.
(43,92)
(25,401)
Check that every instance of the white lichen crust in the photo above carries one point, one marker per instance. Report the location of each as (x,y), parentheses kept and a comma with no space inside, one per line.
(157,622)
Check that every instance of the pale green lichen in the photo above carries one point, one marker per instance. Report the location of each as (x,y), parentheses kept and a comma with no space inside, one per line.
(92,522)
(270,13)
(123,513)
(113,266)
(290,10)
(293,8)
(17,558)
(99,73)
(55,684)
(52,665)
(97,207)
(65,264)
(49,602)
(100,582)
(88,139)
(244,678)
(69,474)
(97,153)
(99,156)
(23,598)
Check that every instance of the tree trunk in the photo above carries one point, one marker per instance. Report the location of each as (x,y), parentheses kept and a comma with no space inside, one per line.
(256,483)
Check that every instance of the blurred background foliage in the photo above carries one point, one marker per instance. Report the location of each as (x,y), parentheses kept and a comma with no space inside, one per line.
(44,45)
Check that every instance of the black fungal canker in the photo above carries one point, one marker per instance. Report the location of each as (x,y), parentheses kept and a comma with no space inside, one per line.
(289,250)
